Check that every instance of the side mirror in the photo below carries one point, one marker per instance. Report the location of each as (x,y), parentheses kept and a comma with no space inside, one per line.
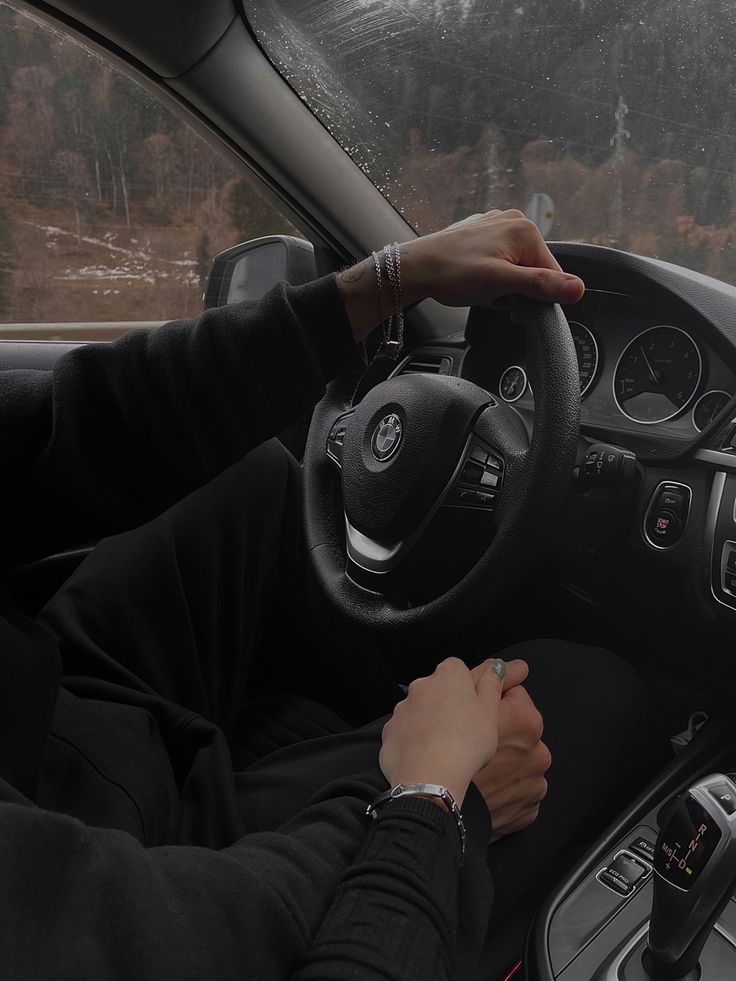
(249,270)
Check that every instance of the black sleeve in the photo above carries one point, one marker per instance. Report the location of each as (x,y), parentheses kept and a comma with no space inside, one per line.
(394,917)
(116,433)
(89,902)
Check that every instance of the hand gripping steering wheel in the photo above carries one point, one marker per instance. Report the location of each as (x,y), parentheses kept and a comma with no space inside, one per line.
(382,476)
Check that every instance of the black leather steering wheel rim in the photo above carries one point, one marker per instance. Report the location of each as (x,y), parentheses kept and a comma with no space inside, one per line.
(553,369)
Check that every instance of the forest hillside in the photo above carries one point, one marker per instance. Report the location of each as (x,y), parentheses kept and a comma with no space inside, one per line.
(621,112)
(111,207)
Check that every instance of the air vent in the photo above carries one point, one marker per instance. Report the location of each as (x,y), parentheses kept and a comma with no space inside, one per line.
(427,364)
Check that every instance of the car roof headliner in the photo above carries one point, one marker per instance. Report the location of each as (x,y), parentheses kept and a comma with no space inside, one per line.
(168,36)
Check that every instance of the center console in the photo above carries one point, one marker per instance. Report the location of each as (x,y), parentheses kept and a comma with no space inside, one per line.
(674,849)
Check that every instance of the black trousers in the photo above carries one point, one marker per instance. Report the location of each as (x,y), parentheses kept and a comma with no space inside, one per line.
(203,608)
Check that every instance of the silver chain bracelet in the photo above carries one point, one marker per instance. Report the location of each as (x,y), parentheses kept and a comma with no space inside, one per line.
(393,325)
(386,327)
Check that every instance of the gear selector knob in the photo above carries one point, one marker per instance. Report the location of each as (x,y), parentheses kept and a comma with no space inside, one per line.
(694,877)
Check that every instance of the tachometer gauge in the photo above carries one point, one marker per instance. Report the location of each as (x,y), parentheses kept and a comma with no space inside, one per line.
(512,384)
(708,407)
(657,375)
(587,352)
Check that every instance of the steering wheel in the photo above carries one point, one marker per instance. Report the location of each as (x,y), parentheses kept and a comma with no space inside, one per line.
(380,477)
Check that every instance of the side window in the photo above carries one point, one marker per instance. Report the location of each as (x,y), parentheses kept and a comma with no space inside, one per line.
(111,206)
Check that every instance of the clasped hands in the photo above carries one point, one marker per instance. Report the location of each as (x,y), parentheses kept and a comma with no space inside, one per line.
(460,725)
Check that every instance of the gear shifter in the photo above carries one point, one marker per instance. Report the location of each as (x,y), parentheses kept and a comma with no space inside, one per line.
(695,875)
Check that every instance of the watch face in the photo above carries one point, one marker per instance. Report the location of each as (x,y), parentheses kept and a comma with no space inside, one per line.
(686,843)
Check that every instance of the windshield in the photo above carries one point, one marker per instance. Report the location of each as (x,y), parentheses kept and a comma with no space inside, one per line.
(606,121)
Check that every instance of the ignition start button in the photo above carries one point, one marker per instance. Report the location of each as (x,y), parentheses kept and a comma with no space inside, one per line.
(663,526)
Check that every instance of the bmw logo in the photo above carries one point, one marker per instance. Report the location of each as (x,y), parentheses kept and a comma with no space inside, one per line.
(386,437)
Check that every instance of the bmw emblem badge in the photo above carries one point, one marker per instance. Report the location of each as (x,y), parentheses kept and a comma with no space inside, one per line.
(386,437)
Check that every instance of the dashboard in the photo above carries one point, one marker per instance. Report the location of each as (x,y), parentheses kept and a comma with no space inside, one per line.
(642,370)
(656,347)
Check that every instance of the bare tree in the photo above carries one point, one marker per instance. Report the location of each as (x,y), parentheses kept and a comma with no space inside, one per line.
(73,184)
(158,158)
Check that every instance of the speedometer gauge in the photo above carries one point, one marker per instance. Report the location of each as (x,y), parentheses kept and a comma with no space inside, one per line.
(587,352)
(657,375)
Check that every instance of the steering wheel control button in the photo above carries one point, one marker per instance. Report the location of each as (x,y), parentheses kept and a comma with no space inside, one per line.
(336,439)
(667,514)
(487,500)
(643,847)
(489,479)
(624,873)
(473,473)
(386,437)
(724,795)
(464,495)
(480,480)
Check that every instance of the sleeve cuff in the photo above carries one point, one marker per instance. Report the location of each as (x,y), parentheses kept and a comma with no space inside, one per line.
(477,818)
(320,310)
(427,813)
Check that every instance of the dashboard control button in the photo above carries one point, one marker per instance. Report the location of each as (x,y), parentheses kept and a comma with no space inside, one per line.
(479,455)
(663,526)
(729,582)
(724,795)
(666,516)
(495,461)
(675,500)
(615,883)
(644,847)
(731,560)
(489,479)
(623,873)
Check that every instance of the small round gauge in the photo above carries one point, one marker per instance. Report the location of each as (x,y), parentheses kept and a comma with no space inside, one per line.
(512,384)
(708,407)
(657,375)
(587,352)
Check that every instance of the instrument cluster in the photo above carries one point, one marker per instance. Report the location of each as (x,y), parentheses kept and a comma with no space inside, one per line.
(638,369)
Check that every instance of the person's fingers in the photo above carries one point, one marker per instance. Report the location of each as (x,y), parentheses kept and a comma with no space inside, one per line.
(535,251)
(546,285)
(490,686)
(519,823)
(470,218)
(480,669)
(517,671)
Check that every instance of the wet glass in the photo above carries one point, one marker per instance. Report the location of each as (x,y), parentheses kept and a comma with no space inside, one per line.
(608,121)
